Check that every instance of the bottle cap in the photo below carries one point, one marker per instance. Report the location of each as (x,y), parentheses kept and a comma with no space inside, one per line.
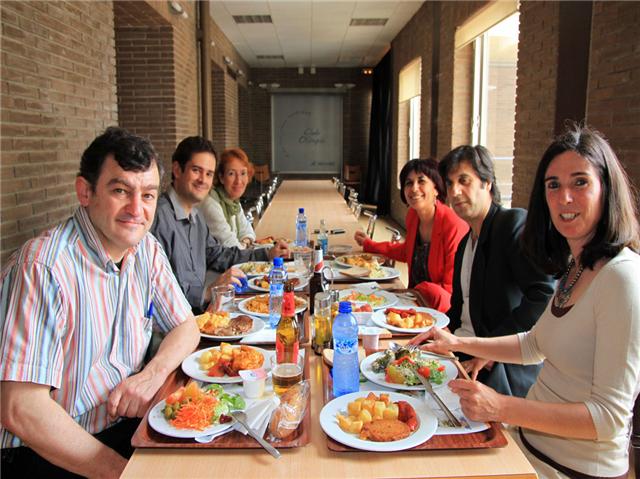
(344,307)
(300,210)
(278,262)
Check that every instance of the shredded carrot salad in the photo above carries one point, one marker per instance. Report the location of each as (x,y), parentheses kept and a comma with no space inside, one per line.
(196,414)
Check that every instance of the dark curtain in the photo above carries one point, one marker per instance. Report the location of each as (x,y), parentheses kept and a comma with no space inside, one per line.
(375,189)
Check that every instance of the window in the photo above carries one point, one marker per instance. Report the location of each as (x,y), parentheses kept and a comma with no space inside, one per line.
(494,97)
(409,113)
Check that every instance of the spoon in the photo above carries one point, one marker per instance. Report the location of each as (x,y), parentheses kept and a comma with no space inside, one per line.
(241,417)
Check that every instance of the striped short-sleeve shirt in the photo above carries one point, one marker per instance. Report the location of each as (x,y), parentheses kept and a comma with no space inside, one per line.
(72,319)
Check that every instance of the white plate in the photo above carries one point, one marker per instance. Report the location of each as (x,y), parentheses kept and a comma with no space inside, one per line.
(389,273)
(451,372)
(426,428)
(258,325)
(255,287)
(191,367)
(242,307)
(389,298)
(340,260)
(258,268)
(380,319)
(161,425)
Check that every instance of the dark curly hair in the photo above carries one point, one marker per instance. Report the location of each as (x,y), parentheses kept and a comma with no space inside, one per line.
(131,152)
(618,227)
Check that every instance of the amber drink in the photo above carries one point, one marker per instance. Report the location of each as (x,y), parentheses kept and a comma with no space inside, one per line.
(285,375)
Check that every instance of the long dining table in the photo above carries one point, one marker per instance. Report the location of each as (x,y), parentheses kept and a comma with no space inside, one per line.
(321,201)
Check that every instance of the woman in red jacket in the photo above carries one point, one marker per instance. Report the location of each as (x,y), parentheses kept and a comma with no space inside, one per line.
(433,234)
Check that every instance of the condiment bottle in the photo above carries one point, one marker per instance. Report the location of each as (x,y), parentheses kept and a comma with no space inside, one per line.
(322,322)
(287,333)
(316,284)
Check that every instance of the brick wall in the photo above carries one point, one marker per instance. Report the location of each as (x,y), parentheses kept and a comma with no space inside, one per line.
(536,92)
(58,93)
(461,107)
(157,73)
(613,96)
(146,81)
(356,108)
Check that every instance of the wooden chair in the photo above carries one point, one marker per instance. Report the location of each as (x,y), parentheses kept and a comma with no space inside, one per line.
(261,173)
(351,175)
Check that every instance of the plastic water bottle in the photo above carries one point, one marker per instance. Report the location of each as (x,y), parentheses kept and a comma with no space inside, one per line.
(346,372)
(301,229)
(323,238)
(277,278)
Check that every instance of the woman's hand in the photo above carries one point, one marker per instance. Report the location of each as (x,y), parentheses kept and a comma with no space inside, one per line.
(441,342)
(360,236)
(478,402)
(475,365)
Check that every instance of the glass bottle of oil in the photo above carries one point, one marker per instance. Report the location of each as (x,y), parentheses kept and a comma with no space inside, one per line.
(322,322)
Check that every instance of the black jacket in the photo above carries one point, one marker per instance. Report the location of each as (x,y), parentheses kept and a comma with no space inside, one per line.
(507,292)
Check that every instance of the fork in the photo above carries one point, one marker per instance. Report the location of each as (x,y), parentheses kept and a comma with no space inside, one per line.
(428,388)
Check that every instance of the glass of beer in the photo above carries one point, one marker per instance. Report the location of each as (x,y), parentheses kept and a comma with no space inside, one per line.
(285,375)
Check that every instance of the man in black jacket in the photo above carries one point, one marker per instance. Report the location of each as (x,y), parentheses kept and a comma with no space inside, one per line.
(496,290)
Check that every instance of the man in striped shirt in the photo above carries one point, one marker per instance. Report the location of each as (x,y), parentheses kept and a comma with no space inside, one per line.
(76,320)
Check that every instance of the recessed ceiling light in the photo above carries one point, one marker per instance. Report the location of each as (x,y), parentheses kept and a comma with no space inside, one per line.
(368,22)
(252,18)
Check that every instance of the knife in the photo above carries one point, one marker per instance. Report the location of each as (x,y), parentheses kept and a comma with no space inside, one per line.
(428,388)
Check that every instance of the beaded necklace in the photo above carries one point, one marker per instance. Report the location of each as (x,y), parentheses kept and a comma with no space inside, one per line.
(564,291)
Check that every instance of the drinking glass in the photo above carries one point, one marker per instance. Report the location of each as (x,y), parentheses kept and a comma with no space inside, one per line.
(303,261)
(285,375)
(222,297)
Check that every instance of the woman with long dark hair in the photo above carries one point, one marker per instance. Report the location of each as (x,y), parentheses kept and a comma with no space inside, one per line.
(583,227)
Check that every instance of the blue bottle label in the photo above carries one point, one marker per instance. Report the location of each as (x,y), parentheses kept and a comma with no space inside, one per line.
(345,346)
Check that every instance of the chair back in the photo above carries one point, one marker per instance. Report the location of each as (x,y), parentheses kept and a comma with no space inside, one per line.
(371,226)
(351,173)
(262,173)
(396,237)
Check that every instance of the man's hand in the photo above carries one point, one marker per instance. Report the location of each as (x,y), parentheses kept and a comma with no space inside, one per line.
(280,249)
(360,236)
(132,397)
(479,402)
(247,242)
(229,277)
(475,365)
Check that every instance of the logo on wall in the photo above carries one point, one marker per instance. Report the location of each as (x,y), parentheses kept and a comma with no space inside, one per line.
(297,130)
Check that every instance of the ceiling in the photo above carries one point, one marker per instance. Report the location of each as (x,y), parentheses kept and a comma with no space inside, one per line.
(312,32)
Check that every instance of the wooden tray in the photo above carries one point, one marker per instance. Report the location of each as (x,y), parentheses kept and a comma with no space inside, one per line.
(492,437)
(146,437)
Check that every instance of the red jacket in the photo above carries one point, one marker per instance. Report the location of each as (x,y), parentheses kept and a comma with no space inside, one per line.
(447,231)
